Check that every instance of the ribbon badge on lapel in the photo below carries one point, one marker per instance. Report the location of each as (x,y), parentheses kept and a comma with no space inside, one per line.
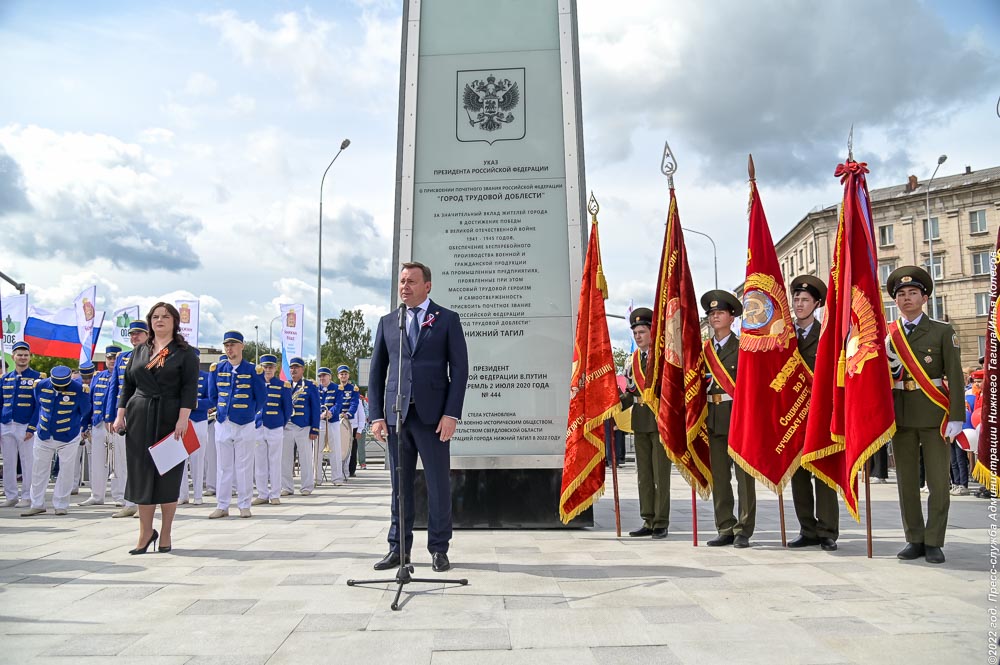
(429,321)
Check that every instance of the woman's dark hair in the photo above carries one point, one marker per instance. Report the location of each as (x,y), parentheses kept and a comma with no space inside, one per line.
(175,315)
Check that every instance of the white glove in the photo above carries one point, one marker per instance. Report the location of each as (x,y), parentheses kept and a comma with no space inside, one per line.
(953,429)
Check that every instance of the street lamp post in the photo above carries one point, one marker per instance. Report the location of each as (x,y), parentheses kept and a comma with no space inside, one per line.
(715,253)
(930,236)
(256,343)
(319,262)
(270,332)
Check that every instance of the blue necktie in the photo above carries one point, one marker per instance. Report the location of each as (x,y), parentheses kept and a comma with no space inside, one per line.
(414,328)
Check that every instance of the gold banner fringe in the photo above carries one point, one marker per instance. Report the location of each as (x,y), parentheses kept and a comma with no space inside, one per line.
(598,459)
(982,475)
(764,480)
(859,463)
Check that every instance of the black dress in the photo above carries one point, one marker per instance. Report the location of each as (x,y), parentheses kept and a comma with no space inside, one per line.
(152,400)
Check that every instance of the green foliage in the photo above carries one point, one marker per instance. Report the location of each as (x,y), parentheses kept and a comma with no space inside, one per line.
(621,357)
(347,339)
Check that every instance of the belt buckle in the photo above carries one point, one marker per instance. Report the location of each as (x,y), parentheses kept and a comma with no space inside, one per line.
(910,386)
(716,399)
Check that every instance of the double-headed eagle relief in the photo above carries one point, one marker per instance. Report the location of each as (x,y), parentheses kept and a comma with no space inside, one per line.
(489,104)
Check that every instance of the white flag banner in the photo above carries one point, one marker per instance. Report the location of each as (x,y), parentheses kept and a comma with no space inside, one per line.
(292,324)
(86,321)
(189,310)
(13,316)
(123,318)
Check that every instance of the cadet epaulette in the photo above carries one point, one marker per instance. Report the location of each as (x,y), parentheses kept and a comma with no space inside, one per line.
(260,369)
(211,368)
(86,389)
(356,389)
(288,384)
(43,375)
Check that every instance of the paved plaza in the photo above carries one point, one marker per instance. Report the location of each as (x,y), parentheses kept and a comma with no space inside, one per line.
(272,590)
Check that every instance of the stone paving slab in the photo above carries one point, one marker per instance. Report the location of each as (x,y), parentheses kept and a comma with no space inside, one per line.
(272,589)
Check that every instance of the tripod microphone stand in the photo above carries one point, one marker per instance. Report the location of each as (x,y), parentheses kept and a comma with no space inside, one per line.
(404,575)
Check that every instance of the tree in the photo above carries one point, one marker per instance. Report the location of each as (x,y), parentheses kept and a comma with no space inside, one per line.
(250,351)
(347,339)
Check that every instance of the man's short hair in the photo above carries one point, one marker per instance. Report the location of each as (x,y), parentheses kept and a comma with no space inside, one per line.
(416,264)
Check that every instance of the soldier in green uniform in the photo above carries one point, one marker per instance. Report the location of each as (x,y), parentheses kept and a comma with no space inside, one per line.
(925,363)
(651,461)
(722,308)
(819,518)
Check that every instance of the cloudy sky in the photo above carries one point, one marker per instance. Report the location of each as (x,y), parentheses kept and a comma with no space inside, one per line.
(174,149)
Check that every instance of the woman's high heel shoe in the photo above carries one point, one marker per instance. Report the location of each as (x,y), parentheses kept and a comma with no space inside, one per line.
(142,550)
(165,548)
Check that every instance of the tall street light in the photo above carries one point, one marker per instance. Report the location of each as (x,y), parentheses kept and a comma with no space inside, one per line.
(715,254)
(319,262)
(256,343)
(930,237)
(270,332)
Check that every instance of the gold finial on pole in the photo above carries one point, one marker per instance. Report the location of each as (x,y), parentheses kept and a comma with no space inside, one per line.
(750,168)
(850,144)
(593,207)
(668,165)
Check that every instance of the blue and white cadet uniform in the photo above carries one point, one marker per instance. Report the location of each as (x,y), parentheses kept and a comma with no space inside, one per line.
(87,371)
(62,417)
(271,421)
(117,440)
(345,405)
(16,429)
(302,431)
(195,463)
(100,421)
(328,424)
(238,391)
(211,456)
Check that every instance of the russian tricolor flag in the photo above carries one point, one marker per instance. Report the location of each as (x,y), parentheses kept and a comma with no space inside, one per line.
(55,333)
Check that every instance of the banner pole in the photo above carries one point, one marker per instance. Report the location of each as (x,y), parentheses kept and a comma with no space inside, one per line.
(694,518)
(868,510)
(609,442)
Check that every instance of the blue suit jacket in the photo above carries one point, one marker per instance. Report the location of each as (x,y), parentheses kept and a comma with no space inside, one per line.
(435,373)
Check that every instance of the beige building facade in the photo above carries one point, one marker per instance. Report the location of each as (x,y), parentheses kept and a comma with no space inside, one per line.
(964,220)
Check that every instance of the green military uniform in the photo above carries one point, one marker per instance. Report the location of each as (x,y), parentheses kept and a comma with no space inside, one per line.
(652,464)
(720,410)
(918,419)
(819,518)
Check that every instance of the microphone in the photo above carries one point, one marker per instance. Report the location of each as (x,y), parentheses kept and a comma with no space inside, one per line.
(401,314)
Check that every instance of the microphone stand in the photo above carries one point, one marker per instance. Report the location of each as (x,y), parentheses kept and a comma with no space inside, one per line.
(404,575)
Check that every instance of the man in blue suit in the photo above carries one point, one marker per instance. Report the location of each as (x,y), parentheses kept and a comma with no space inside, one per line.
(435,370)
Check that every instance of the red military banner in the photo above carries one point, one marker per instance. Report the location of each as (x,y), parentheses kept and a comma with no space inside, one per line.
(987,466)
(771,403)
(674,384)
(593,392)
(852,412)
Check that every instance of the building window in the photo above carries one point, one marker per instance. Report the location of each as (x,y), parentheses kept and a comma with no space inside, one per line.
(891,311)
(937,272)
(931,232)
(977,222)
(981,263)
(802,261)
(982,304)
(885,236)
(982,346)
(884,270)
(935,307)
(812,252)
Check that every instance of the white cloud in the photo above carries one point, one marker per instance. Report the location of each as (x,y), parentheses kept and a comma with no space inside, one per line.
(200,84)
(242,104)
(155,135)
(266,149)
(91,196)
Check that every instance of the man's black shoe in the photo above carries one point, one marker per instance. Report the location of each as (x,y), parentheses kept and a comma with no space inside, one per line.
(741,542)
(391,560)
(639,533)
(719,541)
(803,541)
(933,554)
(828,544)
(439,562)
(659,534)
(911,551)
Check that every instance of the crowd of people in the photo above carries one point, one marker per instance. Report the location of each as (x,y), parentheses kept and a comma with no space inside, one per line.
(254,429)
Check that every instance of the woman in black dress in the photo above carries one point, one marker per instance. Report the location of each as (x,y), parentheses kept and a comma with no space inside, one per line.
(159,392)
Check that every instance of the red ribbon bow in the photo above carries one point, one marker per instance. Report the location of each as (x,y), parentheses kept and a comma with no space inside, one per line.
(844,171)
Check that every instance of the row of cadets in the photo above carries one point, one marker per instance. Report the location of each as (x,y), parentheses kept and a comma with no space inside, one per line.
(100,432)
(87,371)
(302,431)
(358,424)
(138,333)
(329,427)
(195,463)
(271,421)
(345,406)
(238,391)
(211,455)
(62,417)
(16,429)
